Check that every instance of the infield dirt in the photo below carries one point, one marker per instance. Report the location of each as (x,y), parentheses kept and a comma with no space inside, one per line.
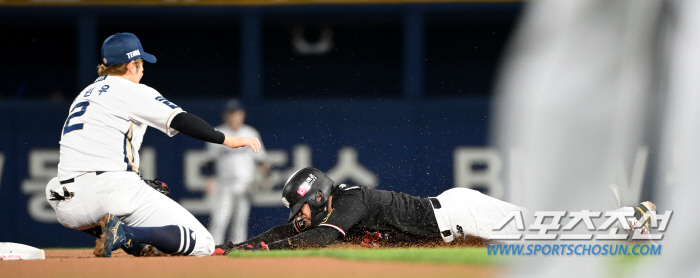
(82,263)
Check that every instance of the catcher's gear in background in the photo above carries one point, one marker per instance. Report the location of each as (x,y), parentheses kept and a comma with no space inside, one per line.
(304,186)
(158,186)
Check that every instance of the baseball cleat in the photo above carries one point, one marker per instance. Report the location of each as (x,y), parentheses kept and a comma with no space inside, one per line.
(644,213)
(151,251)
(138,249)
(112,238)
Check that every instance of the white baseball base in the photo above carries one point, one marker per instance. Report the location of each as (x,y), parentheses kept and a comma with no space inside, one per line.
(16,251)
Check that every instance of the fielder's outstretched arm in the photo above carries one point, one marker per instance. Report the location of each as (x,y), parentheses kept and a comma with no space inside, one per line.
(197,128)
(271,235)
(315,238)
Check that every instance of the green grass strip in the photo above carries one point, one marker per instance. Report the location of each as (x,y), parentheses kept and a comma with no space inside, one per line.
(457,255)
(67,248)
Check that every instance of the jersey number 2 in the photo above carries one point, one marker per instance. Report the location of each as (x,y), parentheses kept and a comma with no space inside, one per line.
(83,106)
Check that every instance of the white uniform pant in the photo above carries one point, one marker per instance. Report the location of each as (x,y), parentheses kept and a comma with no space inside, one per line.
(125,195)
(230,204)
(465,212)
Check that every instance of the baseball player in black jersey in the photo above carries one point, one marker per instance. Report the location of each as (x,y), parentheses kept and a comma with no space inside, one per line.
(323,212)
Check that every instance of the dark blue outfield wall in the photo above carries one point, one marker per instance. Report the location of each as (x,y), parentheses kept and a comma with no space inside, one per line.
(395,144)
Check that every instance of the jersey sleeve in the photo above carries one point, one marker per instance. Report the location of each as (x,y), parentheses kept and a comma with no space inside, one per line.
(261,156)
(348,209)
(313,238)
(149,107)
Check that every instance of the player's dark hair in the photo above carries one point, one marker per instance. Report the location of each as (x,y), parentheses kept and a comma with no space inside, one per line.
(117,70)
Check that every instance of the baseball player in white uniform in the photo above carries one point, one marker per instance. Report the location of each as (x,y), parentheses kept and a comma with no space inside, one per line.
(98,188)
(234,171)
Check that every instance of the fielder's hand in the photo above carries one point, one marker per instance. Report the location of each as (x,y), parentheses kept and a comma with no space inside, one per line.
(237,142)
(371,239)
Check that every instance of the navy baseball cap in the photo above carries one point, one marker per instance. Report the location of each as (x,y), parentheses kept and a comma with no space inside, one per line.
(123,48)
(233,105)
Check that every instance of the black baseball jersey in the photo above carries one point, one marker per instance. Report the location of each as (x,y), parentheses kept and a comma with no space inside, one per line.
(360,208)
(355,210)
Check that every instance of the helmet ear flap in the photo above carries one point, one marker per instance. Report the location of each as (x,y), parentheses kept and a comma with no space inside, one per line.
(320,201)
(299,188)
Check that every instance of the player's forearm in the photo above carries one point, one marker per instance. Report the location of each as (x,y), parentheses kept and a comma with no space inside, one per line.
(195,127)
(316,238)
(274,234)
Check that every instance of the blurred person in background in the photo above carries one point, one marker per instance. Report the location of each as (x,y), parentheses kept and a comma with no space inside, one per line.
(231,177)
(585,86)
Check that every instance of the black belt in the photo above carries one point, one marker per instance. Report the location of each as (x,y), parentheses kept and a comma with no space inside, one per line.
(73,179)
(436,205)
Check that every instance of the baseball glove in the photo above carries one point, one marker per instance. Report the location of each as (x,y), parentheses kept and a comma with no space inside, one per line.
(158,186)
(224,249)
